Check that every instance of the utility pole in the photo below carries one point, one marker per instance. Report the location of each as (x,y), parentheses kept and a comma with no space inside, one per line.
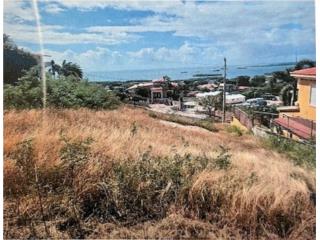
(224,91)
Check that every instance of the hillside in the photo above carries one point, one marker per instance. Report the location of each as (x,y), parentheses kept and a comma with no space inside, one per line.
(122,173)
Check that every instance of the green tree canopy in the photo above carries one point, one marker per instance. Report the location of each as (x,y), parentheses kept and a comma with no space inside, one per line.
(304,63)
(15,60)
(69,68)
(243,81)
(211,103)
(258,80)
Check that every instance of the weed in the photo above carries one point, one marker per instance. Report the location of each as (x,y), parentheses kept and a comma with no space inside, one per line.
(234,130)
(301,154)
(223,161)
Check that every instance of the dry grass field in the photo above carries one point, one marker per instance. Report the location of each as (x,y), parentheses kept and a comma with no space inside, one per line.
(123,174)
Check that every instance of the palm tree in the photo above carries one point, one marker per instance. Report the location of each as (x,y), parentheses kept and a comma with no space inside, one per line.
(286,94)
(54,68)
(69,68)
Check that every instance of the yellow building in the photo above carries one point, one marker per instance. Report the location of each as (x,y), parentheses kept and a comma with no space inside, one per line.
(300,119)
(307,92)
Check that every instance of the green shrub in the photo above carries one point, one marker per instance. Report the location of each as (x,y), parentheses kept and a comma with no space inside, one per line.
(26,94)
(64,92)
(301,154)
(74,153)
(25,159)
(235,130)
(223,161)
(145,188)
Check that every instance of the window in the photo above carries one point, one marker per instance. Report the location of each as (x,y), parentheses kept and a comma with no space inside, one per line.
(313,95)
(157,95)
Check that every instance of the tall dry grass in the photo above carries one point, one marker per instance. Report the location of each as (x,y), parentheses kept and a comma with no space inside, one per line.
(261,195)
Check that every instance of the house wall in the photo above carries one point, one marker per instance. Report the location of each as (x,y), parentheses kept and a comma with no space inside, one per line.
(307,111)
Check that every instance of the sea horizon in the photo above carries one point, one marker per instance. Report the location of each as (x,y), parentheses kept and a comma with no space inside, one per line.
(184,73)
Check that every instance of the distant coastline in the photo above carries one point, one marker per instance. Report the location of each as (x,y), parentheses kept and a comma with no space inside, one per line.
(184,73)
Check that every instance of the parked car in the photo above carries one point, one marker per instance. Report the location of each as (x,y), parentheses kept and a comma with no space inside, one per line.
(272,100)
(269,97)
(255,102)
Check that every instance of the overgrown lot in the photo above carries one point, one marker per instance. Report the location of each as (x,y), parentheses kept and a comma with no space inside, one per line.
(123,174)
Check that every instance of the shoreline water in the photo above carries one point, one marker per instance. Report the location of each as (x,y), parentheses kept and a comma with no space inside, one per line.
(190,73)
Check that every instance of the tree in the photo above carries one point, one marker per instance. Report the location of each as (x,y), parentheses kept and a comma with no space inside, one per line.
(69,68)
(167,78)
(63,92)
(286,94)
(258,80)
(212,103)
(54,68)
(243,81)
(304,63)
(27,93)
(15,60)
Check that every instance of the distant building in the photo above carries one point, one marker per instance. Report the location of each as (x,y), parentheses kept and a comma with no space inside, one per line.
(229,87)
(299,121)
(208,87)
(156,91)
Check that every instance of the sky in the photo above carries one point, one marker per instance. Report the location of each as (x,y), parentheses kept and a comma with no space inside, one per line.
(107,35)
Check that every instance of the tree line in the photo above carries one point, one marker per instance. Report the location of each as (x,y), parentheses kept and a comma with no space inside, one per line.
(66,87)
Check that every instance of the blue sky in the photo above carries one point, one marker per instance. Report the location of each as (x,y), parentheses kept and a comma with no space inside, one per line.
(105,35)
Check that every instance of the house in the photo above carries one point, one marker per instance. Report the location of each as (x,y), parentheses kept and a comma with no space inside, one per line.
(156,91)
(230,98)
(299,121)
(208,87)
(229,87)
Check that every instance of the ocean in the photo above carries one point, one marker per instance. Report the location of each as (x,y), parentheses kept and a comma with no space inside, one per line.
(182,73)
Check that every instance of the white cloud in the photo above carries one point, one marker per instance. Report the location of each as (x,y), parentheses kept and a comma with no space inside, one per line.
(19,11)
(53,34)
(19,23)
(242,31)
(53,9)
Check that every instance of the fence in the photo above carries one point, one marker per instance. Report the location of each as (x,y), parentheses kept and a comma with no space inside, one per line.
(243,118)
(304,125)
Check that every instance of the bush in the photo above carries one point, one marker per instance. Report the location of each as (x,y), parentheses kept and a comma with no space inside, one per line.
(235,130)
(258,80)
(64,92)
(144,189)
(301,154)
(26,94)
(67,93)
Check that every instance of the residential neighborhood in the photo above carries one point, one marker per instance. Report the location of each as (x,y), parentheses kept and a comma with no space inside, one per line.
(162,119)
(296,120)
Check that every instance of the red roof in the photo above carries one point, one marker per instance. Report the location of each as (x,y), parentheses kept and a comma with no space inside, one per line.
(159,80)
(305,72)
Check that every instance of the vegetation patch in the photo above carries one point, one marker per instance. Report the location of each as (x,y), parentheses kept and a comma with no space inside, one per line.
(301,154)
(234,130)
(106,182)
(203,123)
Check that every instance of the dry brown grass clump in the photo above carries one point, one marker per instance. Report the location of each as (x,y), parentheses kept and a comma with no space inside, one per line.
(124,174)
